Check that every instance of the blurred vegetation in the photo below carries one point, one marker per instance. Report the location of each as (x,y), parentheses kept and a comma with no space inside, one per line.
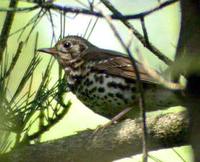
(24,108)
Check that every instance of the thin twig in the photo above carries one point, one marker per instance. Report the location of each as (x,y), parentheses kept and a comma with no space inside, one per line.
(95,23)
(183,160)
(59,7)
(45,128)
(30,22)
(91,3)
(33,64)
(61,26)
(150,71)
(151,47)
(31,79)
(87,28)
(154,158)
(19,9)
(52,25)
(64,23)
(156,76)
(139,86)
(81,3)
(145,32)
(37,20)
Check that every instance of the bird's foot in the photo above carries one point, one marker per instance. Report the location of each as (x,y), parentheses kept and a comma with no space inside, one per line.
(112,121)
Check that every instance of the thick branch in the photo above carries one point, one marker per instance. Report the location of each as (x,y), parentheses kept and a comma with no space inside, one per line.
(189,51)
(121,140)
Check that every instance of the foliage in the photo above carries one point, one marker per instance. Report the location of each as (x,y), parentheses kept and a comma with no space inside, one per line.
(21,112)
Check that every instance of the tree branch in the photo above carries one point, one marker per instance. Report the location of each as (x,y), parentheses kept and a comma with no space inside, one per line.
(150,46)
(166,130)
(117,15)
(48,5)
(188,52)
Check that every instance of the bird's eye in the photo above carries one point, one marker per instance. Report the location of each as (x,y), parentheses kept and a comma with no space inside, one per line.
(67,44)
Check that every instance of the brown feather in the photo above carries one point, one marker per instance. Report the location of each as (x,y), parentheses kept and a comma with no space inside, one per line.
(116,64)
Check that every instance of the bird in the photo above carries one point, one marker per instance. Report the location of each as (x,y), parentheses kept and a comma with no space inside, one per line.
(105,80)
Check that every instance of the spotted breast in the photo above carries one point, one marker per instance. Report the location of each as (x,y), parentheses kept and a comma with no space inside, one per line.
(98,84)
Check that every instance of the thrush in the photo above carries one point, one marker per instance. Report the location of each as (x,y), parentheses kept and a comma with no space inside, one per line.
(105,80)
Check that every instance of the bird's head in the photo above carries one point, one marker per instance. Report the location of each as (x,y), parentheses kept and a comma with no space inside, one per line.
(68,49)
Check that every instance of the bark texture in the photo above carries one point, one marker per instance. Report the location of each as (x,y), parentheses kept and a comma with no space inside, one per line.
(189,54)
(165,129)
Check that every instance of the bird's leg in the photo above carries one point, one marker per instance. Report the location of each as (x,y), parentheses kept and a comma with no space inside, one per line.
(113,120)
(118,116)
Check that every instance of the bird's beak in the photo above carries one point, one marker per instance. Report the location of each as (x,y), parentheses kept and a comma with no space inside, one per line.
(51,51)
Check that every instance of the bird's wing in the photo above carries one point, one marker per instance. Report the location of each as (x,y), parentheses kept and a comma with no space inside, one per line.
(117,65)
